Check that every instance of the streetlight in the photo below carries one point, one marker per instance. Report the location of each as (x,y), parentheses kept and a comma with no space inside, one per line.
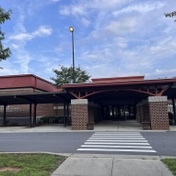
(73,57)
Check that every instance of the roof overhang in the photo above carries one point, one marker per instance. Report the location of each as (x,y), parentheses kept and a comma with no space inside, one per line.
(36,98)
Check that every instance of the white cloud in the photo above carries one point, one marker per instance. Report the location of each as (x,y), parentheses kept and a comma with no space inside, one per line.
(14,46)
(162,73)
(73,10)
(85,21)
(124,25)
(142,8)
(85,8)
(22,36)
(55,0)
(42,31)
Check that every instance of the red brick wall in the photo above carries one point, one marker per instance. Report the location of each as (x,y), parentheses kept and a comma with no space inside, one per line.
(79,115)
(15,110)
(159,114)
(17,91)
(46,110)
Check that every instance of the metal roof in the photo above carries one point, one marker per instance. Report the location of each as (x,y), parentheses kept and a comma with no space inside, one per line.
(36,98)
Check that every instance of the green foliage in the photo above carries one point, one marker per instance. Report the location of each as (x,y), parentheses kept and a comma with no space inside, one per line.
(65,75)
(4,52)
(172,14)
(51,119)
(171,163)
(30,164)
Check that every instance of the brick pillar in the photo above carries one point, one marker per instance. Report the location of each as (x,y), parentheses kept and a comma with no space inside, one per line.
(79,114)
(158,113)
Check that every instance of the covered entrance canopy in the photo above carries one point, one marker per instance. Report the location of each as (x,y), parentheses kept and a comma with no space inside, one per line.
(119,96)
(126,88)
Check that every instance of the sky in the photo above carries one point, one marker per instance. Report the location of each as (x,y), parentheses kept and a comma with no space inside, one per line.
(112,38)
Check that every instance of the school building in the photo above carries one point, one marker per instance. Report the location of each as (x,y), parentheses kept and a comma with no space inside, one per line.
(28,97)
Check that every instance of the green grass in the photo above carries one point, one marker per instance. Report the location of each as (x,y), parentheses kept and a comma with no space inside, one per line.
(171,164)
(30,164)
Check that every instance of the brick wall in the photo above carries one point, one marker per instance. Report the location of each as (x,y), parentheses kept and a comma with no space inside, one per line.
(17,111)
(158,113)
(18,91)
(79,114)
(46,110)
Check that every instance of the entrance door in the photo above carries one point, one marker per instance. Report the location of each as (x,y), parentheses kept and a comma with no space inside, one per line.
(119,112)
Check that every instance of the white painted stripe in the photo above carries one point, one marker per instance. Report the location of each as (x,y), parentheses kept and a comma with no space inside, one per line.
(117,138)
(116,143)
(137,136)
(91,140)
(115,150)
(117,134)
(110,146)
(102,132)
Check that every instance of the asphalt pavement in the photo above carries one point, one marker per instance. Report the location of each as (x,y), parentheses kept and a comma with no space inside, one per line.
(80,164)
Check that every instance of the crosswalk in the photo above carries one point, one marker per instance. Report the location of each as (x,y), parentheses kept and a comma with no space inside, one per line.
(117,142)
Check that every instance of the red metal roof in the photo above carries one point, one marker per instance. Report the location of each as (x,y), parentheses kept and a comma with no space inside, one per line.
(118,79)
(26,81)
(118,82)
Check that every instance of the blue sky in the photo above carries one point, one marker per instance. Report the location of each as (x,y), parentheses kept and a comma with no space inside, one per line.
(112,38)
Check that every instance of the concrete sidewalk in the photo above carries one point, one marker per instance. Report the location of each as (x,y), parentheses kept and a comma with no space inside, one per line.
(132,125)
(111,165)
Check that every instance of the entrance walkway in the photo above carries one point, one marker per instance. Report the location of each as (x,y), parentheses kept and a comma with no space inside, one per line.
(112,165)
(129,125)
(109,125)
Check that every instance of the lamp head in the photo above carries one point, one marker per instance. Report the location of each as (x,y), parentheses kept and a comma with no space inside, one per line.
(71,29)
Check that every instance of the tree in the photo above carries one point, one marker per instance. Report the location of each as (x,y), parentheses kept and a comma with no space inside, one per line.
(65,75)
(172,14)
(4,52)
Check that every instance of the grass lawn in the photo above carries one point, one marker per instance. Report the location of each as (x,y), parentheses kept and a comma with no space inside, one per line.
(171,164)
(29,164)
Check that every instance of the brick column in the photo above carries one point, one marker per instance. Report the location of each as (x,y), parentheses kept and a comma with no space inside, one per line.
(158,112)
(79,114)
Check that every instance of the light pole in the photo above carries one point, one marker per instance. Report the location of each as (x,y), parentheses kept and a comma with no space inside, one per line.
(73,55)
